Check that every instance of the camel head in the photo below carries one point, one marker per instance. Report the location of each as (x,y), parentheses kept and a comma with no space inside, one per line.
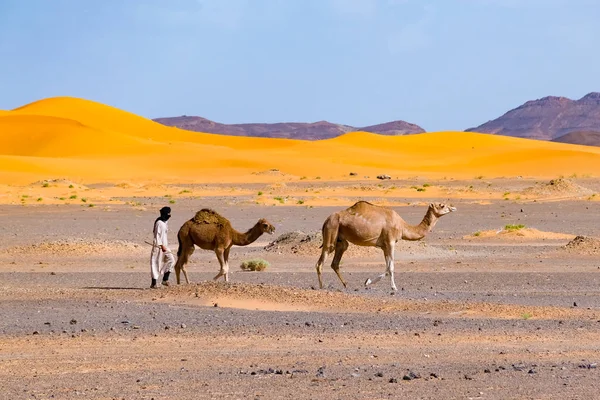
(265,226)
(440,209)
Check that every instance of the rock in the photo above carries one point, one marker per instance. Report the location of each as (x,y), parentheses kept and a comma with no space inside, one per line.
(487,371)
(73,322)
(410,376)
(35,333)
(518,367)
(379,374)
(383,177)
(354,375)
(321,372)
(183,326)
(393,380)
(353,174)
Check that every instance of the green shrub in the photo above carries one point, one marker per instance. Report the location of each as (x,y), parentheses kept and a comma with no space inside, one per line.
(511,227)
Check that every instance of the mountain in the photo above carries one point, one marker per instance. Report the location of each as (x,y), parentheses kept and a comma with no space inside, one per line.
(586,138)
(290,130)
(547,118)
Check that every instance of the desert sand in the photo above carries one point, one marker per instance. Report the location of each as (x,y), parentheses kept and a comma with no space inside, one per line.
(76,139)
(500,301)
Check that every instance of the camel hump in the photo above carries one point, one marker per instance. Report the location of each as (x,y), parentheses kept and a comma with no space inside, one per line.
(361,206)
(209,216)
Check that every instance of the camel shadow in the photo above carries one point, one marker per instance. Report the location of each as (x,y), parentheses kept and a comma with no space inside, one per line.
(111,288)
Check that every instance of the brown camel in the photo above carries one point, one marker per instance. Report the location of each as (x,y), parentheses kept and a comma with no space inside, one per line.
(365,224)
(211,231)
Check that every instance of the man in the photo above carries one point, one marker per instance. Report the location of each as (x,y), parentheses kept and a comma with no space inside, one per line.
(161,258)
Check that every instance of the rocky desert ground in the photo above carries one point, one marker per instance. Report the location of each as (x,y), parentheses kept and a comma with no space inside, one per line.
(500,301)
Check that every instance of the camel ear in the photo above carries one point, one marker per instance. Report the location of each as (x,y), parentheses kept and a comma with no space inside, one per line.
(431,205)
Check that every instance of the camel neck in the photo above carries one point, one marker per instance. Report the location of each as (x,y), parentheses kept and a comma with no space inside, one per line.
(244,239)
(417,232)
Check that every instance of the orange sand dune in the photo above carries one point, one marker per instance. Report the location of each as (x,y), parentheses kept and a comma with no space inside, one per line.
(89,142)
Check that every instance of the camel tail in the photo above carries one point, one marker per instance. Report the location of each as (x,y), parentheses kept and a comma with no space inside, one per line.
(182,231)
(330,230)
(180,248)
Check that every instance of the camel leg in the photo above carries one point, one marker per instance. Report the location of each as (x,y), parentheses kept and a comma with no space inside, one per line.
(320,263)
(340,247)
(226,260)
(221,257)
(330,232)
(184,253)
(388,262)
(390,265)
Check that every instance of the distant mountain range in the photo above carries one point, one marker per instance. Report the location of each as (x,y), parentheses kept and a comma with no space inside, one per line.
(552,118)
(292,130)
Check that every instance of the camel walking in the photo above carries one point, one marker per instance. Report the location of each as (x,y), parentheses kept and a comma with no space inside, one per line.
(365,224)
(211,231)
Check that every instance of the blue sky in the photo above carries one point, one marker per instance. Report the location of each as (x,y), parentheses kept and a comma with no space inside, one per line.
(442,64)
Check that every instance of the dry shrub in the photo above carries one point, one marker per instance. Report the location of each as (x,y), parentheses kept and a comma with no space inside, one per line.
(257,264)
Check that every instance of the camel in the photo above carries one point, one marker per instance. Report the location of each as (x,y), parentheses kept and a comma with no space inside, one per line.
(365,224)
(211,231)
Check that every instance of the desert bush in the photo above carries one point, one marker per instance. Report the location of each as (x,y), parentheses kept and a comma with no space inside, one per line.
(511,227)
(257,264)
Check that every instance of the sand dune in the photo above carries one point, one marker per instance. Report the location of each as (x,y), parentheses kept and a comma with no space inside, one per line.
(79,139)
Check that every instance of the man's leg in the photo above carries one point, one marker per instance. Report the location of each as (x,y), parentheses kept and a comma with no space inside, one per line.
(168,263)
(154,268)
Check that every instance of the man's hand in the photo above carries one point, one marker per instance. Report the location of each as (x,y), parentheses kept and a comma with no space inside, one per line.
(164,248)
